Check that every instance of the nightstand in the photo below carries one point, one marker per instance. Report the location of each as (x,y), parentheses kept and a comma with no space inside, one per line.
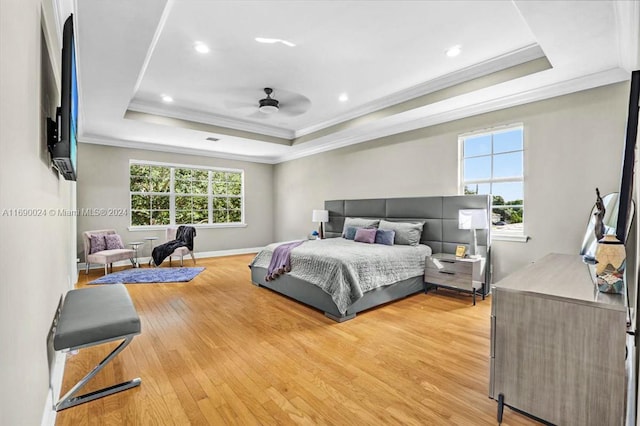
(448,271)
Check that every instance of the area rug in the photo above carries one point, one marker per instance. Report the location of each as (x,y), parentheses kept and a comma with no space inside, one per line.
(150,275)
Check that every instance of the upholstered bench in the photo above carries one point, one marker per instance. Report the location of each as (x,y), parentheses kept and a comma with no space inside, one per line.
(92,316)
(106,256)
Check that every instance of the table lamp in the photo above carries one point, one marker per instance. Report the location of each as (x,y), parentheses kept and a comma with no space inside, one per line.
(473,219)
(321,216)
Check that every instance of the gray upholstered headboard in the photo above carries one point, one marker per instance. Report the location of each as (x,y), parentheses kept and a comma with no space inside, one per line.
(439,214)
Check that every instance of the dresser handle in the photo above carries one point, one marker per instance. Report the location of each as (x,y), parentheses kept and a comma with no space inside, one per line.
(447,272)
(447,261)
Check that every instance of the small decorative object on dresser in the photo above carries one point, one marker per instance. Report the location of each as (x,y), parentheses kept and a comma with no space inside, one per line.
(449,271)
(598,214)
(611,262)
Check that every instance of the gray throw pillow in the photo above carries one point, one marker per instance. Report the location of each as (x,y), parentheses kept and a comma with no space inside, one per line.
(357,222)
(407,233)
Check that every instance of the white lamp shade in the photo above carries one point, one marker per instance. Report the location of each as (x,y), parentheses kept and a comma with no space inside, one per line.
(472,219)
(320,216)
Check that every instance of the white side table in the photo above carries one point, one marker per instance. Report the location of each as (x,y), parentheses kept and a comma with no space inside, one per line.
(135,245)
(151,240)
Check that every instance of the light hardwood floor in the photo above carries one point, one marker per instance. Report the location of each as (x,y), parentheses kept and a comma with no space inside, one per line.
(219,350)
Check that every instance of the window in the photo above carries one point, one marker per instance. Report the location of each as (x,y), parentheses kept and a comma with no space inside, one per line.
(185,195)
(492,163)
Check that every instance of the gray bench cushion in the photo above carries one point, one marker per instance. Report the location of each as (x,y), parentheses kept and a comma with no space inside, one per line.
(93,315)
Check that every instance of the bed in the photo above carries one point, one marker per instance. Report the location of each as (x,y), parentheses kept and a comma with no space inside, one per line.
(347,284)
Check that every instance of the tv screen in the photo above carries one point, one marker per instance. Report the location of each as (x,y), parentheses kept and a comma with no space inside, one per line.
(64,145)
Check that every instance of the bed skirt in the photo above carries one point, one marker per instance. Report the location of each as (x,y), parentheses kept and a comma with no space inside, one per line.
(314,296)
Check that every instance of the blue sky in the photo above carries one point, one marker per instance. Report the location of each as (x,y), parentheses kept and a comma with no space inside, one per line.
(506,163)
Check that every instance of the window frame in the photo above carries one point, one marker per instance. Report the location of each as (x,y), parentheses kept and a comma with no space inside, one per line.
(173,194)
(496,233)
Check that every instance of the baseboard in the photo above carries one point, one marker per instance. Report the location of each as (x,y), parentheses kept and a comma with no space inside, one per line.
(233,252)
(198,255)
(49,413)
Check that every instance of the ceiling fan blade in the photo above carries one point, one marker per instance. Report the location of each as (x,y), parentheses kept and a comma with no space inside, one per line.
(294,110)
(293,104)
(235,104)
(258,114)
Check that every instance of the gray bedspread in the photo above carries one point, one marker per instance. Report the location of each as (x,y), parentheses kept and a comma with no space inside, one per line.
(346,269)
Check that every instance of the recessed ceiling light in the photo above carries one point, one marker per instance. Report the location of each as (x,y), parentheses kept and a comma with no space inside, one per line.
(274,40)
(454,51)
(343,97)
(167,98)
(201,47)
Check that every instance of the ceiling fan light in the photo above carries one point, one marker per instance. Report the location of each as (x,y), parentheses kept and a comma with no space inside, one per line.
(268,109)
(268,105)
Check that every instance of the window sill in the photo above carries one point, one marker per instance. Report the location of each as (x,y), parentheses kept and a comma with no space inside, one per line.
(200,226)
(517,238)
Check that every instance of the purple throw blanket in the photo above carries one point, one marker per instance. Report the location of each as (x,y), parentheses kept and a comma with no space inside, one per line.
(281,260)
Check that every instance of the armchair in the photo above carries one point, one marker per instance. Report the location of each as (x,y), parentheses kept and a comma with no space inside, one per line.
(180,251)
(104,256)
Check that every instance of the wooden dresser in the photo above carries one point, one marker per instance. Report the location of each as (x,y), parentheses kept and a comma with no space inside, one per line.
(558,345)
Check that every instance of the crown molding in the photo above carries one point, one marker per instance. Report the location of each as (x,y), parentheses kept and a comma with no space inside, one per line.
(152,146)
(154,41)
(517,57)
(211,119)
(425,116)
(405,122)
(508,60)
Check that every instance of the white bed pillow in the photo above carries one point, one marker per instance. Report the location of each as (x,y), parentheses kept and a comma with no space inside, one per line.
(407,233)
(357,222)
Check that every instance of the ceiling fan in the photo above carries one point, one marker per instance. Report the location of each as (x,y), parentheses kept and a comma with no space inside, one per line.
(268,105)
(278,102)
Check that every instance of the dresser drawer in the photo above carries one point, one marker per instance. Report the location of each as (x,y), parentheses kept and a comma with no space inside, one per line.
(451,279)
(449,265)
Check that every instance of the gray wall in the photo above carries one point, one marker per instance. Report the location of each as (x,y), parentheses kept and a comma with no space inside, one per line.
(103,182)
(573,144)
(37,254)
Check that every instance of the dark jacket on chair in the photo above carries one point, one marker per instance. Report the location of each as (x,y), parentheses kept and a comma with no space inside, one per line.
(184,238)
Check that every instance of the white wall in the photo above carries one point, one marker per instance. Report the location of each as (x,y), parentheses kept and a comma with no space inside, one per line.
(36,253)
(103,182)
(573,144)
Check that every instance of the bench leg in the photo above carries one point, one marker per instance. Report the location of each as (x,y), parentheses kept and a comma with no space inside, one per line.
(69,400)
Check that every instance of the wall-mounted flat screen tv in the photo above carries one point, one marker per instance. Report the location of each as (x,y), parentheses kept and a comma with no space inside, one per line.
(63,144)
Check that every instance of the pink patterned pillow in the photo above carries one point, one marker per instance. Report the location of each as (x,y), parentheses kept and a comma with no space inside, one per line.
(113,241)
(97,243)
(365,235)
